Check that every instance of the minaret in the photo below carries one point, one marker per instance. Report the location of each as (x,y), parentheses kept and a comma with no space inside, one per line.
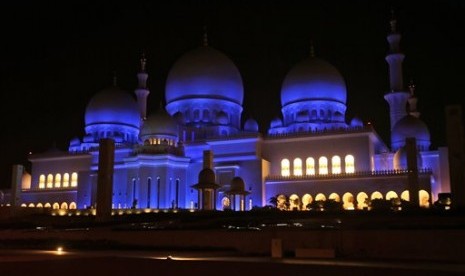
(205,37)
(142,92)
(396,97)
(412,101)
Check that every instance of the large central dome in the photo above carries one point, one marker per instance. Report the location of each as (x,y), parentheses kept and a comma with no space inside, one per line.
(204,73)
(313,79)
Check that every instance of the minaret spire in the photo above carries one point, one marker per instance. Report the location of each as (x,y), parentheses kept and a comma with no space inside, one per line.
(397,97)
(115,79)
(312,49)
(142,91)
(412,101)
(205,36)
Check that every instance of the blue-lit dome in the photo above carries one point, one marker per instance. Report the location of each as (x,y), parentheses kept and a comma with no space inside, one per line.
(313,79)
(356,122)
(159,124)
(400,160)
(204,73)
(113,106)
(410,127)
(112,113)
(276,122)
(251,125)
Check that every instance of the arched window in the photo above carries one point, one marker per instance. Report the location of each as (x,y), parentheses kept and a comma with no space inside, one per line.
(57,180)
(72,205)
(66,180)
(306,201)
(47,205)
(423,197)
(49,181)
(39,205)
(226,203)
(350,163)
(335,197)
(56,205)
(31,205)
(336,165)
(376,195)
(64,205)
(196,115)
(42,181)
(285,167)
(323,165)
(294,202)
(24,205)
(74,179)
(320,197)
(391,194)
(310,166)
(297,166)
(362,200)
(405,195)
(348,201)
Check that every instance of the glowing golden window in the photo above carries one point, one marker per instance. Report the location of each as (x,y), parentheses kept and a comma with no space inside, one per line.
(297,166)
(66,180)
(350,164)
(57,180)
(310,166)
(41,181)
(336,165)
(49,181)
(285,167)
(323,165)
(74,179)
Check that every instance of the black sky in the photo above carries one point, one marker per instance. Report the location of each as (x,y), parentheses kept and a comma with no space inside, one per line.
(55,56)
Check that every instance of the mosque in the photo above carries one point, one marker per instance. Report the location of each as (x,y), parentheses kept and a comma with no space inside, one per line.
(195,153)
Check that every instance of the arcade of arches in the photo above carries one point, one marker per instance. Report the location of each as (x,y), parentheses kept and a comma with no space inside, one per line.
(349,201)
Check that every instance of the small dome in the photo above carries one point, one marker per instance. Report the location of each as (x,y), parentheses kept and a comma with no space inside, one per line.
(313,79)
(237,184)
(222,118)
(410,127)
(75,142)
(207,176)
(356,122)
(251,125)
(160,123)
(204,73)
(400,160)
(276,122)
(113,106)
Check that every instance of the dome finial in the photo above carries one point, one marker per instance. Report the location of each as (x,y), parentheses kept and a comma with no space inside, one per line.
(143,62)
(205,36)
(312,49)
(411,87)
(115,79)
(393,22)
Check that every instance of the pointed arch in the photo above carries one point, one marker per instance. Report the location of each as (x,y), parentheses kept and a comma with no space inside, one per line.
(72,205)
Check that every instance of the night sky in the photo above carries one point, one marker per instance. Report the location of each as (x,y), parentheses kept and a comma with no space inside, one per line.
(55,56)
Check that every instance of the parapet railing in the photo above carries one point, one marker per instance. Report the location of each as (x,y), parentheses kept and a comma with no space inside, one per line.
(379,173)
